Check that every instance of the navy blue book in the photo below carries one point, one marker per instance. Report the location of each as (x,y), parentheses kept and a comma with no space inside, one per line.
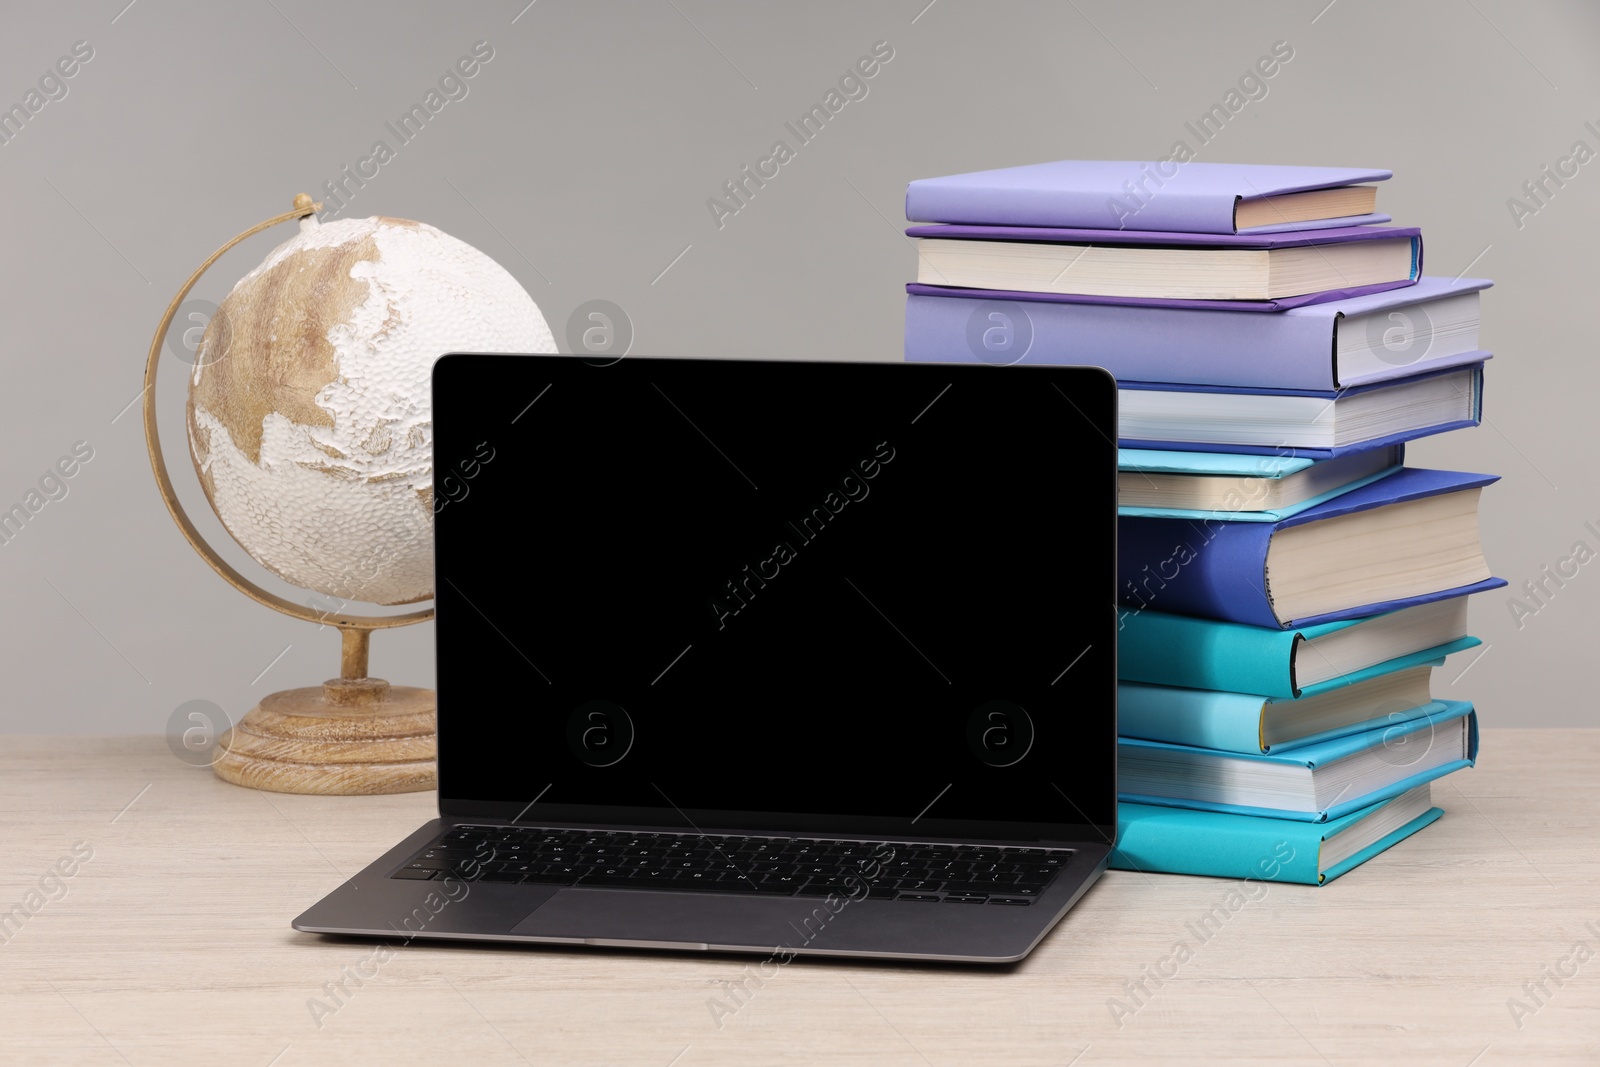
(1410,538)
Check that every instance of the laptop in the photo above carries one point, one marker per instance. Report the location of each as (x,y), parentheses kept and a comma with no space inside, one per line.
(785,658)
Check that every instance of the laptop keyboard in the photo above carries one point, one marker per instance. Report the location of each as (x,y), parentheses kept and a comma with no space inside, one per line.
(779,866)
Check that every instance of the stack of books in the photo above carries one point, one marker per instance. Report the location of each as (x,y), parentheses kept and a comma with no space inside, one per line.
(1288,585)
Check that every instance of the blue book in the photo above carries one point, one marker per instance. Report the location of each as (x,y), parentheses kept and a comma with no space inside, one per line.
(1166,840)
(1245,722)
(1225,485)
(1311,784)
(1407,539)
(1316,424)
(1192,197)
(1334,345)
(1184,650)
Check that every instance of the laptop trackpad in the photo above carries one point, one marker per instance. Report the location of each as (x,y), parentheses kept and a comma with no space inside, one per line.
(685,920)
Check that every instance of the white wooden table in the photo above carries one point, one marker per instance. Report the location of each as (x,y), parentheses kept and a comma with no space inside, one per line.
(171,944)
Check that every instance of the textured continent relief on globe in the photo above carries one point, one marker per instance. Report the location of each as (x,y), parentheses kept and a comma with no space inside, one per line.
(312,433)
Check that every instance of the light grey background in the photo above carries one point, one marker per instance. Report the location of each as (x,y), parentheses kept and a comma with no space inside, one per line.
(582,158)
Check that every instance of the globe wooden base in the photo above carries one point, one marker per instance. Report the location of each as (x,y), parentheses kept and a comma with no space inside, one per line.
(348,736)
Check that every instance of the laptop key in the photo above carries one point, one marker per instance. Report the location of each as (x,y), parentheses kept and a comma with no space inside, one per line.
(420,874)
(569,870)
(652,877)
(990,879)
(794,881)
(607,881)
(547,878)
(712,884)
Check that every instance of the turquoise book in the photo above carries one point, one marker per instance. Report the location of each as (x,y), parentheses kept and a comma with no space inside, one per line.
(1313,783)
(1226,486)
(1166,840)
(1198,653)
(1243,722)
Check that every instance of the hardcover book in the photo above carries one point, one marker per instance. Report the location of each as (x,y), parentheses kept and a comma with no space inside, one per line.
(1245,722)
(1224,485)
(1151,195)
(1197,653)
(1165,840)
(1406,539)
(1297,423)
(1168,266)
(1315,783)
(1345,341)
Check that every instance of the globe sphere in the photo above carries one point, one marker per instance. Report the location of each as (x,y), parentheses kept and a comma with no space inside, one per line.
(309,416)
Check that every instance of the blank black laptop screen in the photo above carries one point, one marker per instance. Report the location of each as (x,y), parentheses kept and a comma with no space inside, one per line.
(869,598)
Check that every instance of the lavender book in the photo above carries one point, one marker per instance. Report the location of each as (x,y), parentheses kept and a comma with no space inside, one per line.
(1162,195)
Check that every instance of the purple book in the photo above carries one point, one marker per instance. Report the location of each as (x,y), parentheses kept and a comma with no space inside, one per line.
(1128,238)
(1298,423)
(1079,235)
(1282,303)
(1342,342)
(1123,195)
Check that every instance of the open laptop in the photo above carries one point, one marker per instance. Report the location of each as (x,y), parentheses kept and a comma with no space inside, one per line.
(790,658)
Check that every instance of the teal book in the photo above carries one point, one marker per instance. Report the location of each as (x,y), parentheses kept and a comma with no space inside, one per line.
(1197,653)
(1239,488)
(1243,722)
(1165,840)
(1314,783)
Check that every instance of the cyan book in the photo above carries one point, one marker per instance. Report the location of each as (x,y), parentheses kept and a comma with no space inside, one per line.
(1222,485)
(1184,650)
(1316,783)
(1245,722)
(1157,839)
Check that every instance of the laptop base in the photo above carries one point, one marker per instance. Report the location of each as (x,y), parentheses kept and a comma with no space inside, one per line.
(779,927)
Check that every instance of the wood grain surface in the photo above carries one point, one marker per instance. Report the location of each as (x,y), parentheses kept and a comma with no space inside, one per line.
(171,944)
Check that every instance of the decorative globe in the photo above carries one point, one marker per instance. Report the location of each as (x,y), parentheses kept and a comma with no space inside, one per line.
(309,417)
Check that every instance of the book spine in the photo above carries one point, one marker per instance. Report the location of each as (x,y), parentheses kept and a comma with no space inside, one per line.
(1178,650)
(1230,722)
(1218,348)
(1175,841)
(1169,210)
(1212,569)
